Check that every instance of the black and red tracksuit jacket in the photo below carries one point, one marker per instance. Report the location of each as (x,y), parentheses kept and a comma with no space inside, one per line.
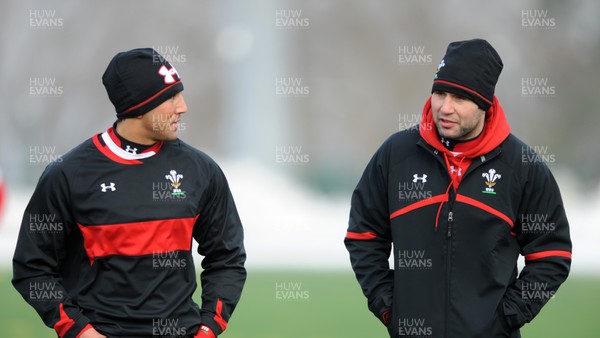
(106,241)
(457,222)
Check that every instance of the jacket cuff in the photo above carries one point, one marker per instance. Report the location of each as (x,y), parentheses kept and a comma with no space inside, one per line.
(87,327)
(75,330)
(212,324)
(381,308)
(511,317)
(68,327)
(385,317)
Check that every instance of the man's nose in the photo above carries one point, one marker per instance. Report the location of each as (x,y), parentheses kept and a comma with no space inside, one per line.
(181,106)
(447,105)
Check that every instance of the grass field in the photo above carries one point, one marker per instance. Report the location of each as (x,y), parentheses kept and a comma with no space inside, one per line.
(327,305)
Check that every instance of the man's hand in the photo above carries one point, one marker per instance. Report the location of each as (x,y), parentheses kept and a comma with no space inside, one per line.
(92,333)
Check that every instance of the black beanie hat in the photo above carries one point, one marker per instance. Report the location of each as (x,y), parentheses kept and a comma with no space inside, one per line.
(471,69)
(139,80)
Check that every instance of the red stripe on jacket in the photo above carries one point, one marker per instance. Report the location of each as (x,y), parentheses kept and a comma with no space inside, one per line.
(428,201)
(218,318)
(480,205)
(549,253)
(138,238)
(361,236)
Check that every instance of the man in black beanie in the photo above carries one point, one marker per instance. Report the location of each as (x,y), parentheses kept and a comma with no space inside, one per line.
(115,258)
(458,202)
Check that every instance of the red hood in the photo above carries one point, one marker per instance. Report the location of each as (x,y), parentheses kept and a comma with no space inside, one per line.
(495,131)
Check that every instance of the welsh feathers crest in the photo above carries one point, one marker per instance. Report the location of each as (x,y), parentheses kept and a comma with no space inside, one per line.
(490,180)
(442,64)
(175,178)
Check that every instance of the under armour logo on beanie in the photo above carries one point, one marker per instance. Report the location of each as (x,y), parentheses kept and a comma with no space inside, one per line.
(170,75)
(471,69)
(139,80)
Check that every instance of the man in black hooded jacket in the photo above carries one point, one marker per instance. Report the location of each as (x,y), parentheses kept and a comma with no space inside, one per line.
(458,198)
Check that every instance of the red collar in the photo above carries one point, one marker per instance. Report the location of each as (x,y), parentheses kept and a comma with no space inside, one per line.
(109,144)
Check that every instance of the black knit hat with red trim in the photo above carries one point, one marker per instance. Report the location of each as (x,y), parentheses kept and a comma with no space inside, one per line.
(471,69)
(139,80)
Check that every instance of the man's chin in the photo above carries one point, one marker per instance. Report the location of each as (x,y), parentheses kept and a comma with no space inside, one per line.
(448,134)
(171,137)
(166,136)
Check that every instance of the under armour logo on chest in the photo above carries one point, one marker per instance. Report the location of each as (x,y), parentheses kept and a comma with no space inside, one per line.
(105,187)
(416,178)
(168,74)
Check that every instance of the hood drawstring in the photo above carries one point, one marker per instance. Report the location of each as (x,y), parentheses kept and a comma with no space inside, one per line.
(453,179)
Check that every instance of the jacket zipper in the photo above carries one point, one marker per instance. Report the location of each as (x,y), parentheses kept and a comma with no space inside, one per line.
(450,220)
(449,258)
(472,167)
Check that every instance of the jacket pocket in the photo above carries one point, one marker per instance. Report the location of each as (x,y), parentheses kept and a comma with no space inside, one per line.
(500,327)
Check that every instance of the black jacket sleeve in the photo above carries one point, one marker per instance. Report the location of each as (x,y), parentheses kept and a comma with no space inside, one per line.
(220,236)
(42,248)
(368,239)
(543,233)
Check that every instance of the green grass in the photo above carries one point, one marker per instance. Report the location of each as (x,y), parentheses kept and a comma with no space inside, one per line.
(330,306)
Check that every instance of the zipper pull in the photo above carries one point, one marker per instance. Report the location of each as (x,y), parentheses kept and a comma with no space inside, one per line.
(450,219)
